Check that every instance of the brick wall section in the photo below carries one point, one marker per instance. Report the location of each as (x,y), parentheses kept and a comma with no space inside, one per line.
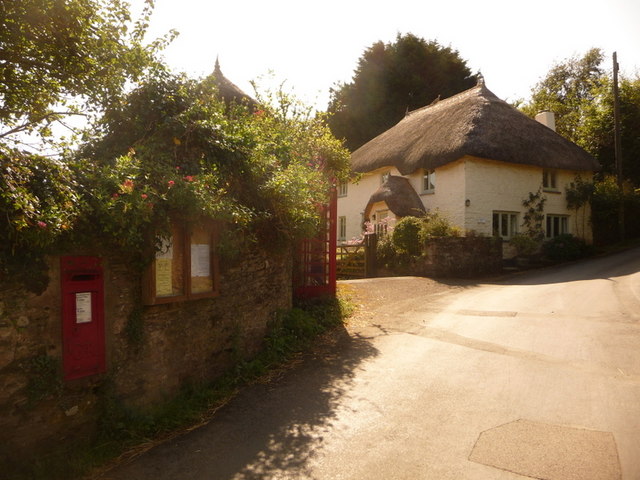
(463,257)
(178,343)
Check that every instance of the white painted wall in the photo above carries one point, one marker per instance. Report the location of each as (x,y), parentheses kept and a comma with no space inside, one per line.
(352,205)
(488,185)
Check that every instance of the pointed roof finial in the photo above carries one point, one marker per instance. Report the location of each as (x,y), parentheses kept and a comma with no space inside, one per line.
(480,78)
(216,69)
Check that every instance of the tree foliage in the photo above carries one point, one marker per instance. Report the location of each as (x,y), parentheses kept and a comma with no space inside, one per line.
(580,92)
(55,52)
(390,80)
(172,149)
(566,90)
(175,142)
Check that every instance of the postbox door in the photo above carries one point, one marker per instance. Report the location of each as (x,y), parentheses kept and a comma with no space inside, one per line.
(82,319)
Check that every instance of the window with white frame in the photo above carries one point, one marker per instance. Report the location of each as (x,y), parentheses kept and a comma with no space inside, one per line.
(343,188)
(381,222)
(557,225)
(505,224)
(342,228)
(384,177)
(429,181)
(549,180)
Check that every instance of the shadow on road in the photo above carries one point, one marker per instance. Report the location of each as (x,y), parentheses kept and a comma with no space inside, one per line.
(269,429)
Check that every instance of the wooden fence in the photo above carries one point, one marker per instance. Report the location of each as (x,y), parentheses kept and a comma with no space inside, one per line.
(357,261)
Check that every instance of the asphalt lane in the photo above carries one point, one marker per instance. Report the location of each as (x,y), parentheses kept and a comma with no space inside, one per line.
(535,375)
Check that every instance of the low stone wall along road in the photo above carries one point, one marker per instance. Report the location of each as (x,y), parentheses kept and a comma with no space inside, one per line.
(534,375)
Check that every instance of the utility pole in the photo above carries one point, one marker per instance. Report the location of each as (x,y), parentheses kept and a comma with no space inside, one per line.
(618,142)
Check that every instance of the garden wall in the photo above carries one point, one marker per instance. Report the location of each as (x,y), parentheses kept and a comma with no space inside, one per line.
(462,257)
(151,352)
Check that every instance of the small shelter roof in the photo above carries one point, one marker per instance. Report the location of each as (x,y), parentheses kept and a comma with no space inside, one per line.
(477,123)
(399,196)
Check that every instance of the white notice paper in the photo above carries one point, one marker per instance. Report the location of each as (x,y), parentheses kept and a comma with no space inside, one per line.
(166,249)
(200,260)
(83,307)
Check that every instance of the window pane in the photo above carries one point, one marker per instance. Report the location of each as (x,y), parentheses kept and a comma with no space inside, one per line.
(564,225)
(504,224)
(200,250)
(496,224)
(514,225)
(549,223)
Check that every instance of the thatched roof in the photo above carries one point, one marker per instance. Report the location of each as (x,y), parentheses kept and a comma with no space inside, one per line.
(228,90)
(399,196)
(474,122)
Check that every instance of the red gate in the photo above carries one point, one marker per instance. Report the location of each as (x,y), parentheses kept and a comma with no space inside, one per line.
(315,269)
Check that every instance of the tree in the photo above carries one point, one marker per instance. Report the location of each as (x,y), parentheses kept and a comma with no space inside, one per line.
(55,52)
(567,90)
(596,135)
(580,93)
(390,80)
(174,149)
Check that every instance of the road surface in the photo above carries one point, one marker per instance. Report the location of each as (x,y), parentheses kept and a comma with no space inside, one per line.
(534,375)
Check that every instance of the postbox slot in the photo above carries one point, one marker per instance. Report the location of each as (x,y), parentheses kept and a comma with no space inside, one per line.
(83,277)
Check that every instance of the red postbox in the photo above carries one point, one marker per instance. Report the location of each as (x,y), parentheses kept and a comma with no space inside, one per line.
(83,334)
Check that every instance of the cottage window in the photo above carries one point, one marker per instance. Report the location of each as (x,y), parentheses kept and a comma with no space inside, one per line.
(429,181)
(505,224)
(549,180)
(381,219)
(557,225)
(384,177)
(342,228)
(343,188)
(185,267)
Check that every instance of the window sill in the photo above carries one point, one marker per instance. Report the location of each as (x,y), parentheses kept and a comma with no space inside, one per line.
(428,192)
(551,190)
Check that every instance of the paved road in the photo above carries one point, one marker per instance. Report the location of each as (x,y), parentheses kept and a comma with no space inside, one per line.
(532,376)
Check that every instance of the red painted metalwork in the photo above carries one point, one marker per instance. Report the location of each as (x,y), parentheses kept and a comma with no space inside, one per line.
(83,333)
(315,273)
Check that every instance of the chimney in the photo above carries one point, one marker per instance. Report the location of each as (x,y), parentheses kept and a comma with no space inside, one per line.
(548,119)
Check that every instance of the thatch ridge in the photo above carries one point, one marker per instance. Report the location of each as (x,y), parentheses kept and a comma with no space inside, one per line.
(475,123)
(228,90)
(399,196)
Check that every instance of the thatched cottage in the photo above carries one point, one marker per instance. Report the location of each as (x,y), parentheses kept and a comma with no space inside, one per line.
(473,157)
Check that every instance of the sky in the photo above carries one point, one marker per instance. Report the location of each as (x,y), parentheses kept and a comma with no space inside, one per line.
(311,46)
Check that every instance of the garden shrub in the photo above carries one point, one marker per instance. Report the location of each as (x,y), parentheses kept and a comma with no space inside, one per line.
(435,224)
(406,236)
(524,244)
(564,248)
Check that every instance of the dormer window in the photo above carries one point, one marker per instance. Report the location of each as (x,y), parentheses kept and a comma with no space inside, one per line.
(384,177)
(429,181)
(549,180)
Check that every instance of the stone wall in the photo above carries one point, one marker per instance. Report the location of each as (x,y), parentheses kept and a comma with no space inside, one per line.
(150,351)
(462,257)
